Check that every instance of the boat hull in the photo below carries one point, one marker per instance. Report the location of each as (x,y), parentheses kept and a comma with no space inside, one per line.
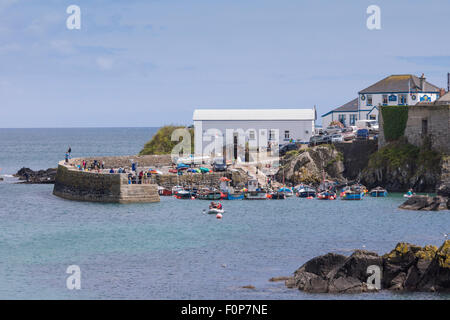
(353,195)
(255,196)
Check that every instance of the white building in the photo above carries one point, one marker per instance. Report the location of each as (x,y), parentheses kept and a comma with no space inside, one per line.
(256,127)
(395,90)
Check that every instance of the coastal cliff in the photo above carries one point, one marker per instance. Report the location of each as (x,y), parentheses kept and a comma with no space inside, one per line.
(309,165)
(399,166)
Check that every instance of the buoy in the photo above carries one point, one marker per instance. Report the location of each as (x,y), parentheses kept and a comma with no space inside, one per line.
(219,216)
(310,197)
(192,198)
(331,198)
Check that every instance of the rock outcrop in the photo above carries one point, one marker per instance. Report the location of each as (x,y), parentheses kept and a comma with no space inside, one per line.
(307,165)
(36,177)
(426,203)
(406,268)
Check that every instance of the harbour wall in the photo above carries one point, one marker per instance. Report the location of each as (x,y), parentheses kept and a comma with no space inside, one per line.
(74,184)
(125,161)
(432,122)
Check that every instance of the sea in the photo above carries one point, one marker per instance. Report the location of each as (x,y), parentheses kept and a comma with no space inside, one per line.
(172,249)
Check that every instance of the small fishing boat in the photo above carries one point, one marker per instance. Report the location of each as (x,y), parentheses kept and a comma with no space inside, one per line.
(287,191)
(352,195)
(378,192)
(326,195)
(215,211)
(209,194)
(254,192)
(276,196)
(225,195)
(305,191)
(164,191)
(184,194)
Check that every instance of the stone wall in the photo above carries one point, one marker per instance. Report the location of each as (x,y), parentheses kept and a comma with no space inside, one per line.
(198,179)
(438,120)
(73,184)
(125,161)
(356,156)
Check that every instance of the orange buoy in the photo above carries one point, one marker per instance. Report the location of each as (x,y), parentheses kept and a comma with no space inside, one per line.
(310,197)
(219,216)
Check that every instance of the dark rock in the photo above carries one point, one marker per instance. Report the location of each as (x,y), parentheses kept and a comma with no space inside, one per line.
(406,268)
(322,265)
(425,203)
(356,265)
(37,177)
(437,275)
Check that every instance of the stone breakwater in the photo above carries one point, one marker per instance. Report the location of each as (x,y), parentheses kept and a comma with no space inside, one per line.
(73,184)
(125,161)
(406,268)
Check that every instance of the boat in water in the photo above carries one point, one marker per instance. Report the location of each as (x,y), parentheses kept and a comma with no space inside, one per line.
(227,195)
(276,196)
(164,191)
(215,211)
(326,195)
(184,194)
(209,194)
(378,192)
(287,191)
(254,192)
(305,191)
(354,192)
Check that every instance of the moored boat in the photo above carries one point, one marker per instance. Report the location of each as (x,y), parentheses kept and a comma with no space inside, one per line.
(326,195)
(378,192)
(208,194)
(184,194)
(225,195)
(276,196)
(305,191)
(286,191)
(254,192)
(164,191)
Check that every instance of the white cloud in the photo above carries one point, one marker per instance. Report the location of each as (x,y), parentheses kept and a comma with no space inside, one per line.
(105,63)
(62,46)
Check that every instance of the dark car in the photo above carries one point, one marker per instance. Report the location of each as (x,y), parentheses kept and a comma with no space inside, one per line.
(287,147)
(362,134)
(219,166)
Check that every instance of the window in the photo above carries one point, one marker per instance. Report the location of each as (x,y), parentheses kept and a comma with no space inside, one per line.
(385,99)
(251,135)
(402,99)
(271,134)
(369,99)
(286,134)
(373,117)
(342,119)
(353,118)
(424,126)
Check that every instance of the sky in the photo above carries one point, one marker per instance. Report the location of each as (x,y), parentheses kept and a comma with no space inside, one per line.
(150,63)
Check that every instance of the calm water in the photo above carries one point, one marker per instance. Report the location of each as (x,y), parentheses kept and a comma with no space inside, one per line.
(171,249)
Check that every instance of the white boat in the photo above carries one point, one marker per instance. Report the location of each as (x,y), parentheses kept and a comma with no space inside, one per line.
(215,211)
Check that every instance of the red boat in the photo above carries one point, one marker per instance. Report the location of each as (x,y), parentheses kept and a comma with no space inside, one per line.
(164,192)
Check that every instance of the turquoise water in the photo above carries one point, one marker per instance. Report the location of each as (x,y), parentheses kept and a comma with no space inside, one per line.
(171,250)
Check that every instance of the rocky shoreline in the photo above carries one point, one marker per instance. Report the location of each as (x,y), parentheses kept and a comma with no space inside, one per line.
(26,175)
(407,267)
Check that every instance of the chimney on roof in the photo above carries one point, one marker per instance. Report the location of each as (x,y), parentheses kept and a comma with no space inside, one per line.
(441,92)
(422,82)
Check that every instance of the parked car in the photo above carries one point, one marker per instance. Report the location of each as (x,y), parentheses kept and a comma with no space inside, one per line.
(332,129)
(362,134)
(219,165)
(371,125)
(287,147)
(315,140)
(348,134)
(337,138)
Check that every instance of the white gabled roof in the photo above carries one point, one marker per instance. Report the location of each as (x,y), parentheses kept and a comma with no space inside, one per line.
(254,114)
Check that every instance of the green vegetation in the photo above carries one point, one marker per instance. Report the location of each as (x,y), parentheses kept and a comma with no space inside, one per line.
(161,142)
(400,153)
(394,121)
